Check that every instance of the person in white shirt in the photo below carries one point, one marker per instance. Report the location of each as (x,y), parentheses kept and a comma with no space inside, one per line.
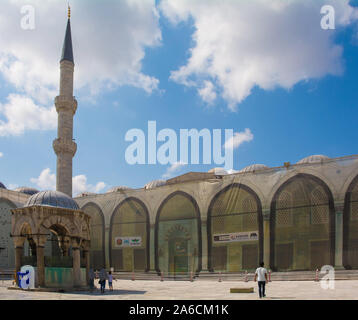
(261,276)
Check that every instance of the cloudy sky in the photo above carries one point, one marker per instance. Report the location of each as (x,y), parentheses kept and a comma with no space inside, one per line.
(264,68)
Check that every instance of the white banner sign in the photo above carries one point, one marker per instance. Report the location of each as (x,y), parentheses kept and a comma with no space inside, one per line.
(128,241)
(236,237)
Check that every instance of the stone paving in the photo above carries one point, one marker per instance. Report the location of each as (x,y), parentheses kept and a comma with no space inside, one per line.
(183,290)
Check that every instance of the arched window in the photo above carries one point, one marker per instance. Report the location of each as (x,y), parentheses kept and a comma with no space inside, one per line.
(97,249)
(235,230)
(302,225)
(350,227)
(178,235)
(129,236)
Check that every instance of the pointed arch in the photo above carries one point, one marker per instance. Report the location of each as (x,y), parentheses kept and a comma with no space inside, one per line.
(97,231)
(130,218)
(302,231)
(178,217)
(236,208)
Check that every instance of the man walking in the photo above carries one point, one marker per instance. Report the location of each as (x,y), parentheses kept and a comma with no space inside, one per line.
(261,276)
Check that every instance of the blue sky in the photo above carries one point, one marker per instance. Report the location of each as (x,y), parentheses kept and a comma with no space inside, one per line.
(290,118)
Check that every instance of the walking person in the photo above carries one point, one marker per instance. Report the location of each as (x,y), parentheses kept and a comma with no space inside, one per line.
(91,277)
(261,276)
(102,279)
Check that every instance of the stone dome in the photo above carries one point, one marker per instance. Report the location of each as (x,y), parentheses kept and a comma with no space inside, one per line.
(218,171)
(86,194)
(2,186)
(53,199)
(27,190)
(155,184)
(313,159)
(118,189)
(254,167)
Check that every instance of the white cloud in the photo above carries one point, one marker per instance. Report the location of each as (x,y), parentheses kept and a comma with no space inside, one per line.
(238,139)
(207,93)
(175,167)
(109,39)
(47,181)
(1,154)
(21,113)
(79,185)
(239,45)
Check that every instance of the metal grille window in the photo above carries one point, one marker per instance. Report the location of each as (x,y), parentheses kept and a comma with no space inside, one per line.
(284,216)
(128,235)
(234,211)
(301,217)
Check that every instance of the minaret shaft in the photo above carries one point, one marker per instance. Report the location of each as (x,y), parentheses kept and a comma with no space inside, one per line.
(66,106)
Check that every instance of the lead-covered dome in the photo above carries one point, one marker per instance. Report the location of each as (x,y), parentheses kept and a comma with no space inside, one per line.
(53,199)
(254,167)
(2,186)
(27,190)
(218,171)
(313,159)
(118,189)
(155,184)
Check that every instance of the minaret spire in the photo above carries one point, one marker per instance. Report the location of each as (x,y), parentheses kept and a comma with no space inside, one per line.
(66,106)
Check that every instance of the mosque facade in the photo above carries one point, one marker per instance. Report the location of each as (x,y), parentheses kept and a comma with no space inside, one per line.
(293,217)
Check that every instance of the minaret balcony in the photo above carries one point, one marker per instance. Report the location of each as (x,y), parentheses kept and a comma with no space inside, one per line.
(66,104)
(62,146)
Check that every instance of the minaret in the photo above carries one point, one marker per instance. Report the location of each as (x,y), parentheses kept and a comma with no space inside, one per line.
(66,106)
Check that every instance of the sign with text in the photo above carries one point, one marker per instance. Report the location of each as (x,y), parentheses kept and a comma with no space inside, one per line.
(236,237)
(121,242)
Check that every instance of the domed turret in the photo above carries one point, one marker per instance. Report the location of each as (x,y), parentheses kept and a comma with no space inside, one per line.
(155,184)
(52,199)
(313,159)
(254,167)
(218,171)
(27,190)
(118,189)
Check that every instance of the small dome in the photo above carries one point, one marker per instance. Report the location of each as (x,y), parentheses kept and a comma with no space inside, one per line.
(155,184)
(86,194)
(218,171)
(27,190)
(313,159)
(53,199)
(2,186)
(118,189)
(254,167)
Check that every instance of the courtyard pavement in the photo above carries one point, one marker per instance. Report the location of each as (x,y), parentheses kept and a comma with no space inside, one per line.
(186,290)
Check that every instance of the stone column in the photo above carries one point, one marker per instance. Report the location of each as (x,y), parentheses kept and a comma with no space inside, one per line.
(266,230)
(40,266)
(76,255)
(40,257)
(151,248)
(338,259)
(86,253)
(106,247)
(19,251)
(204,248)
